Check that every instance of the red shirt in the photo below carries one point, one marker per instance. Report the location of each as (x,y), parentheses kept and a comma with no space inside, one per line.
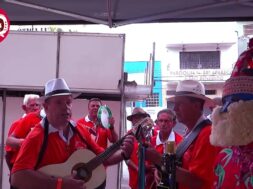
(57,150)
(234,168)
(155,130)
(159,146)
(13,151)
(13,126)
(133,173)
(200,157)
(23,127)
(98,133)
(26,124)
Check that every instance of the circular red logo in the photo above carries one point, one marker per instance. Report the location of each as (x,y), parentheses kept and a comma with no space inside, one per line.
(4,25)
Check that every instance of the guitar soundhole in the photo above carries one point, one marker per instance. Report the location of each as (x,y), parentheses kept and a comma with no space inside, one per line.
(81,172)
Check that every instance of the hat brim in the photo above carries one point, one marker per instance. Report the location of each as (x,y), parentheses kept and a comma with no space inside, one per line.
(74,95)
(130,117)
(208,101)
(227,100)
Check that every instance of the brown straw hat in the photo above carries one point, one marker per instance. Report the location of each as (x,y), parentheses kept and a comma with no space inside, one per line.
(137,112)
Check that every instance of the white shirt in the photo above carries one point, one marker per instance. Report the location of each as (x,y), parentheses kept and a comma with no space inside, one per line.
(170,138)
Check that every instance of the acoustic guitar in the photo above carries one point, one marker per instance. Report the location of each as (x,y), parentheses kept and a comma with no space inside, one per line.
(87,164)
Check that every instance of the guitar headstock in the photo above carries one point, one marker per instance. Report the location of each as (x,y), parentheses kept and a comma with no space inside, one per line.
(142,129)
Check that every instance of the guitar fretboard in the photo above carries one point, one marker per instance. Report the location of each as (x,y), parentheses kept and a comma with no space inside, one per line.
(99,159)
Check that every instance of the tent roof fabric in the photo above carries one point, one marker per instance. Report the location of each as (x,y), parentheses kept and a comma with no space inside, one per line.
(118,12)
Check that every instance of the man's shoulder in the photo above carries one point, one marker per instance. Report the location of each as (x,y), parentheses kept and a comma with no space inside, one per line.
(84,119)
(16,122)
(32,116)
(36,132)
(82,128)
(81,120)
(203,136)
(13,126)
(84,123)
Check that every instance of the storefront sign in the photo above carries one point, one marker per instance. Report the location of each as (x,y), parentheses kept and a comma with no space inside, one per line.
(200,74)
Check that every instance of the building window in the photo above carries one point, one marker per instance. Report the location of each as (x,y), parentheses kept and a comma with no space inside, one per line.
(200,60)
(153,100)
(210,92)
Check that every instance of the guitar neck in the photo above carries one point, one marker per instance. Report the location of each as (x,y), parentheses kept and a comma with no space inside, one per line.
(99,159)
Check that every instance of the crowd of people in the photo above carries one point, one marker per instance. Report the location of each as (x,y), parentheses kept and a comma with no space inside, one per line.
(215,152)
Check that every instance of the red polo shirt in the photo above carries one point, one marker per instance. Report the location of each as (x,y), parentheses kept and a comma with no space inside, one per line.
(200,157)
(57,151)
(102,134)
(13,152)
(26,124)
(159,146)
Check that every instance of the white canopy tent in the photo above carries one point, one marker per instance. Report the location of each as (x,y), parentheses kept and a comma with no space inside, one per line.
(117,12)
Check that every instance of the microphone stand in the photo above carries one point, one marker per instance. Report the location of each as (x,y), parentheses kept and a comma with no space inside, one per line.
(168,169)
(141,165)
(140,135)
(141,155)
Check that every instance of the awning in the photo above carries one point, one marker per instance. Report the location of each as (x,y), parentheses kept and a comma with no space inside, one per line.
(121,12)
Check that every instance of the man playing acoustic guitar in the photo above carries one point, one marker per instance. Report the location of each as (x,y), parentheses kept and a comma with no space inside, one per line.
(53,141)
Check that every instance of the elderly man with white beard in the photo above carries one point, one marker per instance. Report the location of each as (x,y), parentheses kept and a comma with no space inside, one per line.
(233,127)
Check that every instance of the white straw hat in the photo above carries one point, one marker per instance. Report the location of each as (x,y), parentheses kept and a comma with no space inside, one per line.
(191,88)
(57,87)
